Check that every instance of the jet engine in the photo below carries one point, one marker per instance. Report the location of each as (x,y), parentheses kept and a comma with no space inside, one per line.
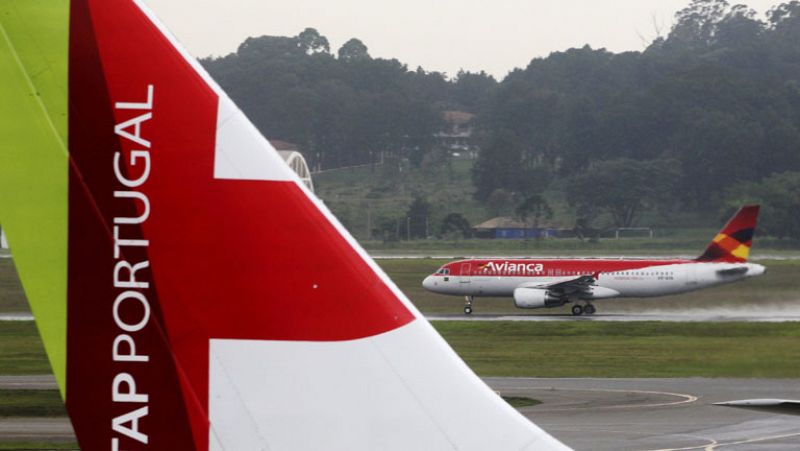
(535,298)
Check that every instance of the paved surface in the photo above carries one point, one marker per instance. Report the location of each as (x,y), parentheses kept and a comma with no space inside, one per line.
(38,382)
(16,317)
(38,429)
(699,315)
(755,257)
(657,414)
(720,315)
(590,414)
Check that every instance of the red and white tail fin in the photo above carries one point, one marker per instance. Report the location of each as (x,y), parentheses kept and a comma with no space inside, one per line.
(732,243)
(212,302)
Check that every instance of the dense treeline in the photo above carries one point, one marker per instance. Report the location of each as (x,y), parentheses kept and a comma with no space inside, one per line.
(704,114)
(345,108)
(715,103)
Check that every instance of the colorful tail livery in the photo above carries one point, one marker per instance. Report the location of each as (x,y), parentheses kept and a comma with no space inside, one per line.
(191,293)
(732,244)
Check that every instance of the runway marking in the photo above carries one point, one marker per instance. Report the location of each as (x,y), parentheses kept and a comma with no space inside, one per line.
(715,444)
(686,397)
(16,317)
(685,317)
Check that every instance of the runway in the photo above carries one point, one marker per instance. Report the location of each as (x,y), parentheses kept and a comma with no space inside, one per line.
(588,414)
(720,315)
(657,414)
(756,257)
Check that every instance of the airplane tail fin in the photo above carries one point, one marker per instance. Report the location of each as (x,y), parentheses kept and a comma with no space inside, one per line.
(733,242)
(191,291)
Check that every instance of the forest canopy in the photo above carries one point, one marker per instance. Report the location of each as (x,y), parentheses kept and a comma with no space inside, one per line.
(707,108)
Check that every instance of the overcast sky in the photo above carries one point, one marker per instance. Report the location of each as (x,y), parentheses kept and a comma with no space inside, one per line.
(443,35)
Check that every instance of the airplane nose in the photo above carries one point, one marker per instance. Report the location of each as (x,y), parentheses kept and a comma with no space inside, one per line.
(428,283)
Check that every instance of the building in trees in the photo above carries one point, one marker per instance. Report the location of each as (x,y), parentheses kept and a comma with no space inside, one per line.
(456,135)
(510,228)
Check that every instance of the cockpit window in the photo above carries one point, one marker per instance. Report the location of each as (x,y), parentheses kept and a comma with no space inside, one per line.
(443,271)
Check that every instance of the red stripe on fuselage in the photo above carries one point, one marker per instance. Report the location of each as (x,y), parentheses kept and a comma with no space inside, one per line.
(550,267)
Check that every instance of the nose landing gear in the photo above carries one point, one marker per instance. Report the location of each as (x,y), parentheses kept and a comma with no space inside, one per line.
(578,310)
(468,305)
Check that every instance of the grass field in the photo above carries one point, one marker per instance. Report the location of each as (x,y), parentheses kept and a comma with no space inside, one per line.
(31,403)
(564,349)
(12,298)
(21,349)
(595,349)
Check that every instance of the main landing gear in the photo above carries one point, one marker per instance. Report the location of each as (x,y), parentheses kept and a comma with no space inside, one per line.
(578,310)
(468,305)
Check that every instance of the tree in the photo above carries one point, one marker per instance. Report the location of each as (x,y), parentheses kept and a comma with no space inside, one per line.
(310,41)
(624,188)
(354,50)
(500,202)
(535,207)
(472,90)
(779,197)
(418,216)
(499,165)
(456,225)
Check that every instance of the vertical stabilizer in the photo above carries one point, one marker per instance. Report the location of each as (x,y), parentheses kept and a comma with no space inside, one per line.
(732,244)
(211,301)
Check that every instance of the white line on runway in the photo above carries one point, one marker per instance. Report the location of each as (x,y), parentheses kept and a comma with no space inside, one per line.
(683,317)
(714,445)
(16,317)
(686,398)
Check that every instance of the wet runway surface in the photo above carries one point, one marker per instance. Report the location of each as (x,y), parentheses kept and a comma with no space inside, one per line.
(684,316)
(589,414)
(657,414)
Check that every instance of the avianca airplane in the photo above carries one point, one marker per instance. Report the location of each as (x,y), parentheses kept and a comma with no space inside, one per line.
(191,293)
(543,283)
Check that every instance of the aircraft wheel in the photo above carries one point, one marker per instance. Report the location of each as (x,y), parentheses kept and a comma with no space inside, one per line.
(468,310)
(589,309)
(577,310)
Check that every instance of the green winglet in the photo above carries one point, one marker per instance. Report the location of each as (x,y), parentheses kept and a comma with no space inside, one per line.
(34,160)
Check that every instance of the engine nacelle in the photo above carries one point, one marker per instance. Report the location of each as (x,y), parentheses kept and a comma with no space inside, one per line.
(535,298)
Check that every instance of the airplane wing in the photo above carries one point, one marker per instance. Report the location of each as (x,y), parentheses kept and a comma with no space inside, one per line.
(567,286)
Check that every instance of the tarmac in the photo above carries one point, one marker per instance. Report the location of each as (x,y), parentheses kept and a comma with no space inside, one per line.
(698,315)
(657,414)
(587,414)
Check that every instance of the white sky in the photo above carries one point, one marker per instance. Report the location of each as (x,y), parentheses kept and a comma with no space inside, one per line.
(443,35)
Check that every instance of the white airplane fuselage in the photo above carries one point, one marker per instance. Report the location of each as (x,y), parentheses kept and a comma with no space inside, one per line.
(615,278)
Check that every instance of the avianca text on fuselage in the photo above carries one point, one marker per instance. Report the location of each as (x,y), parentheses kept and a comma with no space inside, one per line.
(507,267)
(555,282)
(129,276)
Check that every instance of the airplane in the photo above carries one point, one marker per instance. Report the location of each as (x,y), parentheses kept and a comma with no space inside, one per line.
(548,283)
(190,291)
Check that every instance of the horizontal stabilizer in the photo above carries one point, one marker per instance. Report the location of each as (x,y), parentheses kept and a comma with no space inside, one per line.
(782,406)
(729,272)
